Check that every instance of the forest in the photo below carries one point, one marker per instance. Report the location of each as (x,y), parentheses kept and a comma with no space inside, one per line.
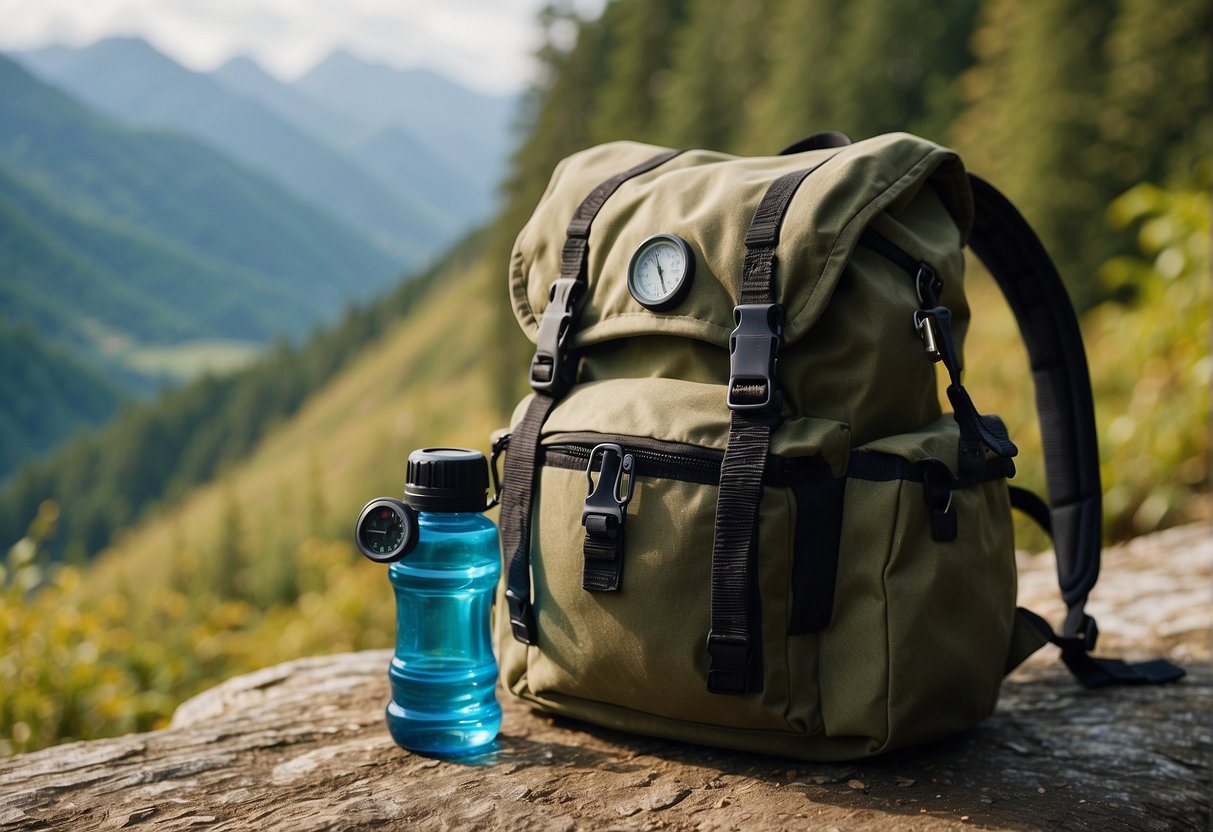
(205,533)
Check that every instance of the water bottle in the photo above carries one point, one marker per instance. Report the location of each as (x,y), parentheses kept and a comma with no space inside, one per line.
(444,561)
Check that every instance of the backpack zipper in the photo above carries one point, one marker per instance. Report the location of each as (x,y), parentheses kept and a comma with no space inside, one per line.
(672,460)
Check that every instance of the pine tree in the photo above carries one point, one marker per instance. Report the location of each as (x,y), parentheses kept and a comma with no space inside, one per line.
(797,99)
(638,69)
(720,66)
(1157,121)
(893,65)
(1033,125)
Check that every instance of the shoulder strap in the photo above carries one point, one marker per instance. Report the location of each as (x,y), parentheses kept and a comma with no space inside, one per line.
(1025,273)
(1013,253)
(551,375)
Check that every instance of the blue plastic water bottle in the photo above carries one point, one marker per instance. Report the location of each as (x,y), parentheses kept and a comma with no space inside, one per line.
(444,560)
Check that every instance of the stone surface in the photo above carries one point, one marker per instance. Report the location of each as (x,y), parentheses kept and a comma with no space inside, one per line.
(302,746)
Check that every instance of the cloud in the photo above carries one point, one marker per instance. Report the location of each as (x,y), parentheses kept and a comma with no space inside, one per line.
(484,43)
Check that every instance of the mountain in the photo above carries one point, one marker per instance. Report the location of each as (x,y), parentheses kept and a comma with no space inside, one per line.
(147,255)
(393,155)
(130,80)
(186,195)
(469,130)
(124,282)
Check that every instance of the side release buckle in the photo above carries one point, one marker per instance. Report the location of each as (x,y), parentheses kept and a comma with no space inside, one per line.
(551,372)
(753,353)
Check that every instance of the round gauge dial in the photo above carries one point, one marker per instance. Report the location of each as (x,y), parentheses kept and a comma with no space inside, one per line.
(386,530)
(660,272)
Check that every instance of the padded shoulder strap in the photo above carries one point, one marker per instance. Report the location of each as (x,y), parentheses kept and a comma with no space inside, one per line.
(1013,253)
(1019,263)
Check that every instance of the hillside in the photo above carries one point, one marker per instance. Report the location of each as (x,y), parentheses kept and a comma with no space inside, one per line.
(182,192)
(49,393)
(155,451)
(128,79)
(149,255)
(126,286)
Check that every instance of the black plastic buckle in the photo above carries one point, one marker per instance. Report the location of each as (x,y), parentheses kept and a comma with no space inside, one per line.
(731,664)
(522,617)
(753,353)
(606,499)
(550,371)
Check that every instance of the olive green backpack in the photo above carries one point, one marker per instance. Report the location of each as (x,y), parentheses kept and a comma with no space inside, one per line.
(733,511)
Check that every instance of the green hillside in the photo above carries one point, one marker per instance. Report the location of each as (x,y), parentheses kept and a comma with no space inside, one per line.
(235,550)
(80,278)
(49,393)
(155,451)
(253,566)
(182,192)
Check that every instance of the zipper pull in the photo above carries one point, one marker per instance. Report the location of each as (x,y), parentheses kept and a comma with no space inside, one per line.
(603,516)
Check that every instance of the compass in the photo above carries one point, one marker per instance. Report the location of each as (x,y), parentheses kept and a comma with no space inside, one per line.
(386,530)
(660,272)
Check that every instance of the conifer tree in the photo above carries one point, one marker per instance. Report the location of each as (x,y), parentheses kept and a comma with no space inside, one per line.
(720,66)
(1033,125)
(1157,121)
(796,99)
(637,69)
(893,66)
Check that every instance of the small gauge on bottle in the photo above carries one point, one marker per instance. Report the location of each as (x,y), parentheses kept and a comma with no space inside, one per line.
(386,530)
(660,272)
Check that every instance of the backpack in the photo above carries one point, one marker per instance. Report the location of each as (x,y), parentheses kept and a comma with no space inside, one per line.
(733,511)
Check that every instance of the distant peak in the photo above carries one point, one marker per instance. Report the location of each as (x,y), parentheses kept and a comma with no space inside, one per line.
(242,65)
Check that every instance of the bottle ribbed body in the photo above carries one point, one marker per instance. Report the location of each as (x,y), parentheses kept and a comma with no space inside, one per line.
(443,673)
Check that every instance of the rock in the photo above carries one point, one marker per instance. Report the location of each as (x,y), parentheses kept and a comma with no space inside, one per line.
(302,746)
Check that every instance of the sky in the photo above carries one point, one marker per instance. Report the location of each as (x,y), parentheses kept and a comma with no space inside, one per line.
(484,44)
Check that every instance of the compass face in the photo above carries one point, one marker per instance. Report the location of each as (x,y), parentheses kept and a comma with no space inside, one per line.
(660,272)
(386,531)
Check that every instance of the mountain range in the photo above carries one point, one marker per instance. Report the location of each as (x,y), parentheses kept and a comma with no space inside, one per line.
(156,221)
(364,158)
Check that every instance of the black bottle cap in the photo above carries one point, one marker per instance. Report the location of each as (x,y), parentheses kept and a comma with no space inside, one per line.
(447,479)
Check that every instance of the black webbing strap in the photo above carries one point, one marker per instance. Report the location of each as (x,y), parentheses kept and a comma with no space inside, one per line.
(734,641)
(552,372)
(1011,251)
(1093,672)
(1028,279)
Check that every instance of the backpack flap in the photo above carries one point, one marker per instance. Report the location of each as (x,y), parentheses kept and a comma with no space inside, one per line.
(706,198)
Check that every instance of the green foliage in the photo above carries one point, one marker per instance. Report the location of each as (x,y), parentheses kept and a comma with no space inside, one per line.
(1155,426)
(80,661)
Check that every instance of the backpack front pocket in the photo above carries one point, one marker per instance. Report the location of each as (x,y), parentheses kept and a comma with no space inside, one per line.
(641,645)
